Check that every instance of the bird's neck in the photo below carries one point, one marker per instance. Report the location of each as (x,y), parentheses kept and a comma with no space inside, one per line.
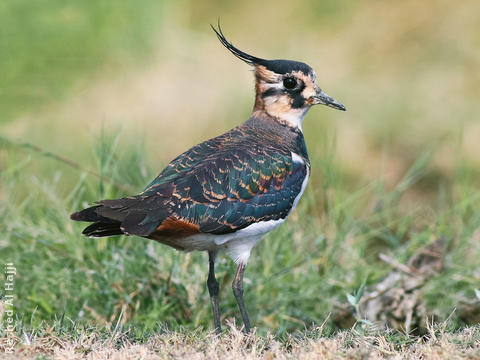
(289,136)
(282,114)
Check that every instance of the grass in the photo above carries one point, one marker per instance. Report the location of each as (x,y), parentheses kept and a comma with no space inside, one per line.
(65,340)
(51,46)
(324,255)
(390,176)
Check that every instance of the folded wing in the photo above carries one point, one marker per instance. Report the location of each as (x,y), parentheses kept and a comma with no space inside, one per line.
(212,188)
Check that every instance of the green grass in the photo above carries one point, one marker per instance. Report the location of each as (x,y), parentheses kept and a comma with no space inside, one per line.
(294,276)
(48,47)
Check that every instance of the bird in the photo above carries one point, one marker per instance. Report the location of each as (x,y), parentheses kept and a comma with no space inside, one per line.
(226,193)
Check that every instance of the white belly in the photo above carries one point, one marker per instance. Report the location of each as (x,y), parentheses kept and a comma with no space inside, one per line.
(237,245)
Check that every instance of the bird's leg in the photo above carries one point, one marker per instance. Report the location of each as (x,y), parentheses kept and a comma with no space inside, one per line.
(237,287)
(213,289)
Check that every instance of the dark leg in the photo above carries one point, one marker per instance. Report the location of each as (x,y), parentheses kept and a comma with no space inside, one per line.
(237,287)
(213,289)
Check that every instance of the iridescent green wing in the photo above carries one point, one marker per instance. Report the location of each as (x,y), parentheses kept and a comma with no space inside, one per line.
(235,191)
(219,186)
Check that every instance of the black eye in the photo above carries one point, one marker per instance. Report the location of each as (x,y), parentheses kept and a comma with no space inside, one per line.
(289,83)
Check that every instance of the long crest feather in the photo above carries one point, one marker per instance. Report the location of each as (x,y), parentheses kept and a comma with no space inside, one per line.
(249,59)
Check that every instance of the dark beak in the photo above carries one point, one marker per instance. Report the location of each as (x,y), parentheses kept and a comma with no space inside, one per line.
(324,99)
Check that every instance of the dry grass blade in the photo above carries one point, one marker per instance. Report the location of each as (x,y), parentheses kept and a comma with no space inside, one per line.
(89,344)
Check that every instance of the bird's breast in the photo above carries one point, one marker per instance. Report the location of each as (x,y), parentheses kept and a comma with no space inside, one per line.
(299,160)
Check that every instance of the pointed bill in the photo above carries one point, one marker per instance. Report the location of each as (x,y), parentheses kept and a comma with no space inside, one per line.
(323,99)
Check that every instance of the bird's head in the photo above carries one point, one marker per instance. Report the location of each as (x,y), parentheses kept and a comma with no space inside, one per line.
(285,89)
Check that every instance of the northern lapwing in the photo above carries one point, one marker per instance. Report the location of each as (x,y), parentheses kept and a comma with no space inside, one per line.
(227,192)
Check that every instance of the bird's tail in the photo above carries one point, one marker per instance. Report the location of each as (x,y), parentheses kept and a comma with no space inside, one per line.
(134,215)
(101,226)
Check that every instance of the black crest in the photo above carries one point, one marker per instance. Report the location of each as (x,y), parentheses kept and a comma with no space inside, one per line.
(277,66)
(249,59)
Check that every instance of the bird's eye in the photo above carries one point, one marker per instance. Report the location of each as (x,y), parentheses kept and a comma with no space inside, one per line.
(289,83)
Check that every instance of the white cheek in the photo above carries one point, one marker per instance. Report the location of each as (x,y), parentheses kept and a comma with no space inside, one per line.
(280,100)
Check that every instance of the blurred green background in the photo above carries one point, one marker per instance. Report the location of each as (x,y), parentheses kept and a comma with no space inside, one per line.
(122,87)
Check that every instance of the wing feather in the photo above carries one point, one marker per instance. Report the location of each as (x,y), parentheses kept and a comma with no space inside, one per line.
(219,186)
